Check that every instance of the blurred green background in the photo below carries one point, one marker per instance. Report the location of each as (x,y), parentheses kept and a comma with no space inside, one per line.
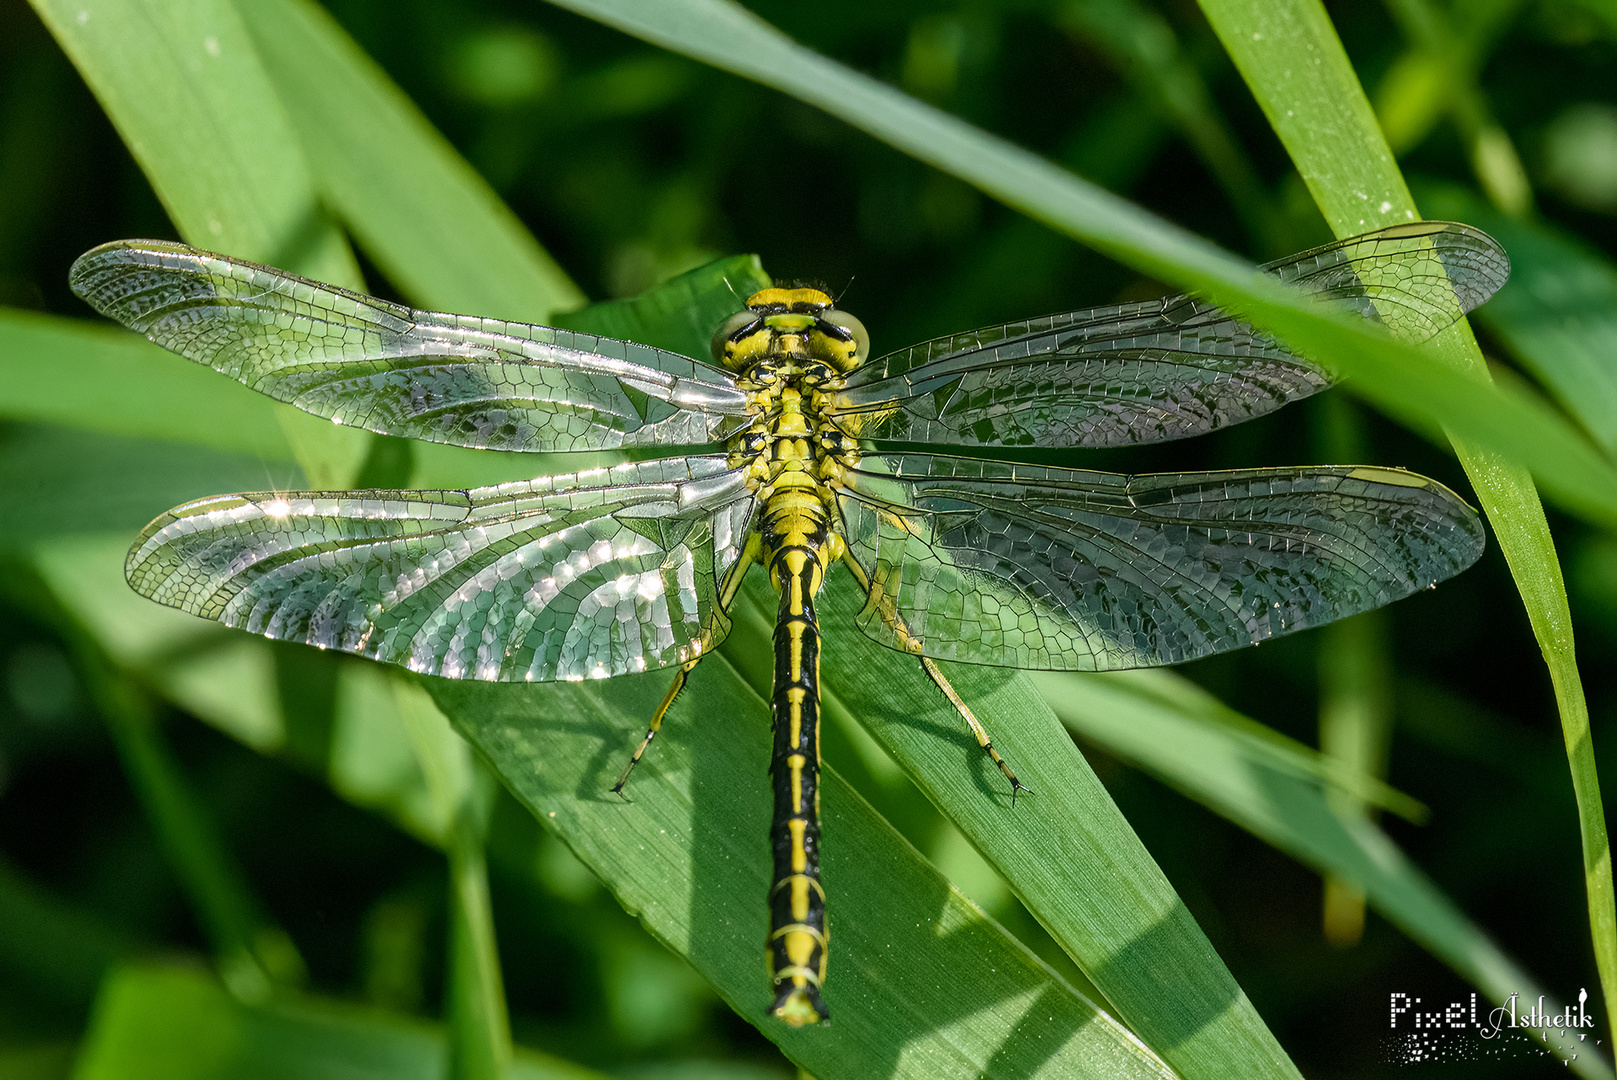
(631,165)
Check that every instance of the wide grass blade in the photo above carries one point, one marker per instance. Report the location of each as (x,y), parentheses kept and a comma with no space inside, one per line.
(420,211)
(922,982)
(62,482)
(184,86)
(110,381)
(1321,114)
(1066,850)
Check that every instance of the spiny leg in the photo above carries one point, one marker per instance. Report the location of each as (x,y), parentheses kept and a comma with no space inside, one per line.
(656,723)
(942,682)
(895,622)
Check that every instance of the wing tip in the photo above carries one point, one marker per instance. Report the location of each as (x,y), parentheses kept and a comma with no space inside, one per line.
(1489,274)
(94,277)
(1458,513)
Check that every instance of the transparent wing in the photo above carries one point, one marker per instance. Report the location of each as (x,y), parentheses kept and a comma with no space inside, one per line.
(565,577)
(1058,569)
(1166,369)
(445,378)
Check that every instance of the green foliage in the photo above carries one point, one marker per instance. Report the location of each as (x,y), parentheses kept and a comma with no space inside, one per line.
(173,1023)
(264,130)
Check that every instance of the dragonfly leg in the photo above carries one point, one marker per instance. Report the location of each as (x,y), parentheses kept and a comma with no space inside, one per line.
(935,673)
(656,723)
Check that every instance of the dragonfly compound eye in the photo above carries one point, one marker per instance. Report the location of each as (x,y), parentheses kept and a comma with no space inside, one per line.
(849,330)
(731,331)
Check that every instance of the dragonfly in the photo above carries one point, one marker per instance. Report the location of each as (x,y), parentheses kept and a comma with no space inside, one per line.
(789,465)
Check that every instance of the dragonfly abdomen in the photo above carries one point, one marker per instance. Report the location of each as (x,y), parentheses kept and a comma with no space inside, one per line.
(795,537)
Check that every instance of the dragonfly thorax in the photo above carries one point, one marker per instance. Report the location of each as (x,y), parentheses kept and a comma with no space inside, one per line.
(794,453)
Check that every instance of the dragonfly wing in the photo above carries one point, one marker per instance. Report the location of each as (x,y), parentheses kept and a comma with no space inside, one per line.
(565,577)
(445,378)
(1059,569)
(1165,369)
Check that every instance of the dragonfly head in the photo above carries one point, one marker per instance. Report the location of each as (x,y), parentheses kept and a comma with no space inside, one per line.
(791,322)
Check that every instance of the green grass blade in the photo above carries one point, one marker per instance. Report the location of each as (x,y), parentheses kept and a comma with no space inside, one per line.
(1192,715)
(1148,719)
(1321,114)
(1558,315)
(74,373)
(183,85)
(420,211)
(481,1046)
(462,798)
(153,1022)
(682,313)
(1355,695)
(1141,43)
(1355,731)
(57,482)
(1411,385)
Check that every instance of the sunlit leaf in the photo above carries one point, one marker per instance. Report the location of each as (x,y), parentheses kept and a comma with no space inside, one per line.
(217,148)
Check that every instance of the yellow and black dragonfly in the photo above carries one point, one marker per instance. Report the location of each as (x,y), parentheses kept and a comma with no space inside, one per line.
(631,568)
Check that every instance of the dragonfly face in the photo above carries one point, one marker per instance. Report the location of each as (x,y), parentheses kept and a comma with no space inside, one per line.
(633,568)
(796,323)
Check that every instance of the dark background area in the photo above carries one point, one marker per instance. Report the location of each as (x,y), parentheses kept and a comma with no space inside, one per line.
(630,165)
